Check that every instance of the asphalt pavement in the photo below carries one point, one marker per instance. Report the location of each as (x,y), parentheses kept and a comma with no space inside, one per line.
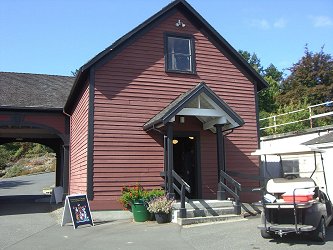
(26,185)
(26,224)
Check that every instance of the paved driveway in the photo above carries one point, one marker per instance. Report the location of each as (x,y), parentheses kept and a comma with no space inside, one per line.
(26,185)
(36,228)
(25,224)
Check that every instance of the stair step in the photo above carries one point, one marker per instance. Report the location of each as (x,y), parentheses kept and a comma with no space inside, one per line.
(204,204)
(190,213)
(208,219)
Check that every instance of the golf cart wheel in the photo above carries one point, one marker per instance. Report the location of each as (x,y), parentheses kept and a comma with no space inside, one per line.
(266,235)
(320,232)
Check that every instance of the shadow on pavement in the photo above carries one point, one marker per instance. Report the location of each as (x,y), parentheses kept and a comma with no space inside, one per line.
(8,184)
(25,204)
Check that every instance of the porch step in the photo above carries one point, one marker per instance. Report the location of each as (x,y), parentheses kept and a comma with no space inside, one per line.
(209,219)
(204,204)
(206,211)
(191,213)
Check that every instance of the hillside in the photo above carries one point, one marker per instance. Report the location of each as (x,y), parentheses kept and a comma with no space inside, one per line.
(22,158)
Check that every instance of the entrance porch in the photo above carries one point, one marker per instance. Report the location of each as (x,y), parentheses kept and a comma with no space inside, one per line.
(183,144)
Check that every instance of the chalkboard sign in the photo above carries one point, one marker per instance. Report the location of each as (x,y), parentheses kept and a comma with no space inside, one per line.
(77,211)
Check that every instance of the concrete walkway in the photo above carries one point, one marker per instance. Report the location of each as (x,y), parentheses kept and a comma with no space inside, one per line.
(30,225)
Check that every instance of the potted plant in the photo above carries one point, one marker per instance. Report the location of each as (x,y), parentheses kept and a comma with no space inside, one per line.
(135,198)
(151,195)
(162,208)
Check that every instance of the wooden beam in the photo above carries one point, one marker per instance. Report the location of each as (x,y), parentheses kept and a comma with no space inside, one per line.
(200,112)
(217,121)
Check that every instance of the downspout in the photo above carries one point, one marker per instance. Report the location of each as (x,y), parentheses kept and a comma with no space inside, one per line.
(65,154)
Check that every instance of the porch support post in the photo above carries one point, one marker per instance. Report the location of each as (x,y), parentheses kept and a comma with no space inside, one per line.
(220,160)
(170,189)
(65,169)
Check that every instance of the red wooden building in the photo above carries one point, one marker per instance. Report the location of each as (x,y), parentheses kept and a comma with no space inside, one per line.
(172,94)
(31,110)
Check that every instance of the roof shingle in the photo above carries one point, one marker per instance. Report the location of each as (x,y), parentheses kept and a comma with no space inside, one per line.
(25,90)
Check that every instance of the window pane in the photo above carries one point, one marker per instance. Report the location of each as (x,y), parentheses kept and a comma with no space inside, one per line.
(182,46)
(179,54)
(183,62)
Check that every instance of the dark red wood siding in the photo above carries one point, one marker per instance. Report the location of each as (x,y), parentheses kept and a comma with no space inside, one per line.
(133,87)
(48,120)
(4,118)
(55,121)
(79,144)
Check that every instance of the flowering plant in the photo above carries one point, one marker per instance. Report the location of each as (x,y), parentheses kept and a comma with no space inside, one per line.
(160,204)
(130,194)
(136,193)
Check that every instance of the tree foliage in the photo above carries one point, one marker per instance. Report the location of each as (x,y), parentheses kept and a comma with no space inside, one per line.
(310,82)
(12,152)
(310,79)
(267,97)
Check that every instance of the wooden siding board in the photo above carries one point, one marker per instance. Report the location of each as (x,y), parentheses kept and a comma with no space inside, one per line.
(78,145)
(134,86)
(53,121)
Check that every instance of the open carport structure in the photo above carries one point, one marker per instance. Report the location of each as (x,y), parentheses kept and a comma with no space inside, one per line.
(31,110)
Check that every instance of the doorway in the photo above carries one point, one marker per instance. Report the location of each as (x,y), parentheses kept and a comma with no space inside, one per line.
(185,162)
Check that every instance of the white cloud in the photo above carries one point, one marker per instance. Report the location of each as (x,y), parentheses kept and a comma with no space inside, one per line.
(260,23)
(321,21)
(280,23)
(266,24)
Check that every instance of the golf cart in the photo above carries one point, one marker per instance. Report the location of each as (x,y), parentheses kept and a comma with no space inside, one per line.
(295,198)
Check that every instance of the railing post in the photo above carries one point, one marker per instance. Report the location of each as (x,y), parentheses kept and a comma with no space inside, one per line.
(182,210)
(238,208)
(274,120)
(310,117)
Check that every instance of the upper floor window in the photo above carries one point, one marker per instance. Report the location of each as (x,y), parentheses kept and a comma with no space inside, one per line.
(179,54)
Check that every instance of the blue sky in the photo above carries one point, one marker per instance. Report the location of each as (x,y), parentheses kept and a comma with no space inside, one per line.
(57,37)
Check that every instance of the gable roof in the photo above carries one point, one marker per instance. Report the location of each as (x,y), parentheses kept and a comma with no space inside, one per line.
(24,91)
(186,9)
(176,106)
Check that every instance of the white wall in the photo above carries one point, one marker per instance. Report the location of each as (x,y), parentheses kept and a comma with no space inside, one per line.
(306,163)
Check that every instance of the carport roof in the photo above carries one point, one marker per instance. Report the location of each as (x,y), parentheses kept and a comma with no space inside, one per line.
(327,138)
(34,91)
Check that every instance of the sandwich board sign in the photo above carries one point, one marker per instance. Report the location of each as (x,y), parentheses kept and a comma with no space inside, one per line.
(77,211)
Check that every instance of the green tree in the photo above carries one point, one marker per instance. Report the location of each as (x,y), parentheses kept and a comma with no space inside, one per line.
(267,97)
(311,79)
(253,60)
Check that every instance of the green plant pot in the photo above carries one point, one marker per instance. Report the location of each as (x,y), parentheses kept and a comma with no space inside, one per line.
(140,212)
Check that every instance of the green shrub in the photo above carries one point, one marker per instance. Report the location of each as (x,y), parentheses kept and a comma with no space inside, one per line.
(16,170)
(130,194)
(154,193)
(4,157)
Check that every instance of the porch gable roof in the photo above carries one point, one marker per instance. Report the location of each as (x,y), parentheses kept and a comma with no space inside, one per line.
(213,111)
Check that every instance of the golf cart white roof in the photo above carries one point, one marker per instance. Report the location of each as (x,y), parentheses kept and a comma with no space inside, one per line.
(294,150)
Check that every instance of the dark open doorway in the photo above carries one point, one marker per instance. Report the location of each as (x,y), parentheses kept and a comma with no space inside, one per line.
(185,157)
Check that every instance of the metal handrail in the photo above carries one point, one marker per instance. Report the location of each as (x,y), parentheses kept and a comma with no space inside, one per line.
(181,192)
(224,179)
(309,118)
